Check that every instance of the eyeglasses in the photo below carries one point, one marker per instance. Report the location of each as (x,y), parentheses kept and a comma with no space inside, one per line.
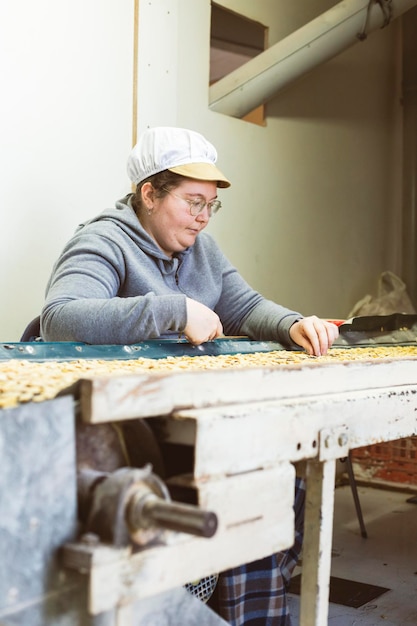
(198,206)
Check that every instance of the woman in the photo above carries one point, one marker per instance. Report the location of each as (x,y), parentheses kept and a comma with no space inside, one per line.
(145,269)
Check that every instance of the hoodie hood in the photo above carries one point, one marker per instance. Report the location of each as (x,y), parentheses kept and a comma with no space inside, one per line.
(125,218)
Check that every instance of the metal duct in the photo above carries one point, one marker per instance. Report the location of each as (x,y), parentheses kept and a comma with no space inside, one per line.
(409,100)
(259,79)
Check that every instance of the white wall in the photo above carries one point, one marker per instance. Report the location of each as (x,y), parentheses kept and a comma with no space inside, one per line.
(312,216)
(65,130)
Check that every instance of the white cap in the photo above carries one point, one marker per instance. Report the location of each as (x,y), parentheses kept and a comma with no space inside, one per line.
(179,150)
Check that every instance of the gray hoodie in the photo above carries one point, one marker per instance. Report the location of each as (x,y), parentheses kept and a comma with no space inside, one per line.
(112,284)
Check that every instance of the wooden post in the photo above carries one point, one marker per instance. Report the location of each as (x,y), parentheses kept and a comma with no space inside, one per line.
(318,533)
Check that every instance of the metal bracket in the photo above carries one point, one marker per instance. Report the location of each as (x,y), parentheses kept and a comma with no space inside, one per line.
(387,10)
(333,443)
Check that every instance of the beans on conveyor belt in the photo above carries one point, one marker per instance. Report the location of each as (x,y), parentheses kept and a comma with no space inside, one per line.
(27,381)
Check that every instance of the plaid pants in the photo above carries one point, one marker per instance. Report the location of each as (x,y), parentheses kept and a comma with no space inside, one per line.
(255,594)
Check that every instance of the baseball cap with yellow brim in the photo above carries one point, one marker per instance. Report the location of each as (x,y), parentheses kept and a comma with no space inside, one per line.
(178,150)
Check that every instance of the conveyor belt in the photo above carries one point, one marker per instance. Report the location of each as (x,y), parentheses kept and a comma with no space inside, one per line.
(384,330)
(154,349)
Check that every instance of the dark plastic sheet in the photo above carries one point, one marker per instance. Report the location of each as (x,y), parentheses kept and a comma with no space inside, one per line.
(397,329)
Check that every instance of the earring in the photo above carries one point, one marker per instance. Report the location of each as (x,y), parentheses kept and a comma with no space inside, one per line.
(150,210)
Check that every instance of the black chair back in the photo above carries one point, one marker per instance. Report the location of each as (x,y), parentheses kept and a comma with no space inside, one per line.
(32,330)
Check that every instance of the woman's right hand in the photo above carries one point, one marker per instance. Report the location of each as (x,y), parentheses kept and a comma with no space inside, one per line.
(203,324)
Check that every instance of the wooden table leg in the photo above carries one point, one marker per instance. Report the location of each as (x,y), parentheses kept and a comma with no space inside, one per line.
(317,547)
(124,615)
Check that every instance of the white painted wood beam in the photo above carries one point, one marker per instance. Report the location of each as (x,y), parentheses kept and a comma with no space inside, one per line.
(258,80)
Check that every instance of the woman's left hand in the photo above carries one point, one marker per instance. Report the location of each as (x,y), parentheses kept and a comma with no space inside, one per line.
(314,334)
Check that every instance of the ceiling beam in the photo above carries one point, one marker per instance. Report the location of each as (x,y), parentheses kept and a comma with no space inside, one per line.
(261,78)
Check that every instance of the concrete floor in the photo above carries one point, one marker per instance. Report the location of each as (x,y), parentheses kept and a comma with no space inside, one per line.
(387,558)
